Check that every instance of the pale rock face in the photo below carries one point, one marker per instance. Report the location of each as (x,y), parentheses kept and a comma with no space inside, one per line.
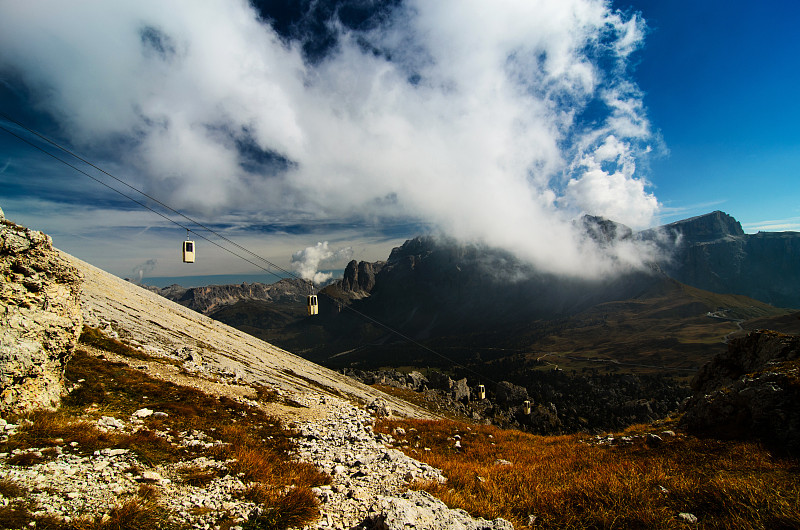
(40,319)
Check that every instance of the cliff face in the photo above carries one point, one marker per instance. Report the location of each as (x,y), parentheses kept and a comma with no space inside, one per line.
(712,252)
(40,318)
(440,286)
(359,277)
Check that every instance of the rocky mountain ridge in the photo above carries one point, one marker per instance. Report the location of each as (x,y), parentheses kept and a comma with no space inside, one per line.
(210,298)
(712,252)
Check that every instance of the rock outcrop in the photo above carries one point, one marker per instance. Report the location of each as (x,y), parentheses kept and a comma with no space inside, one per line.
(359,277)
(40,318)
(604,231)
(752,391)
(511,394)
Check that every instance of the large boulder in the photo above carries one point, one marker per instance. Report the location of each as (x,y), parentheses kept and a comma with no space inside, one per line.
(40,319)
(752,391)
(509,394)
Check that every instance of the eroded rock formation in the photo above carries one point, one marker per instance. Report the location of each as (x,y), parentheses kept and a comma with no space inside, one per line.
(40,318)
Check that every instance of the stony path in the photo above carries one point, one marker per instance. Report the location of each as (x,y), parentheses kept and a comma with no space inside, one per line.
(363,468)
(370,479)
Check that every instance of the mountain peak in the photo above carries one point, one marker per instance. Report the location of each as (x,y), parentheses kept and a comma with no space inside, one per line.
(603,230)
(708,227)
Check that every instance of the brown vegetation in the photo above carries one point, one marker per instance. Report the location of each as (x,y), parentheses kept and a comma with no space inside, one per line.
(574,482)
(258,445)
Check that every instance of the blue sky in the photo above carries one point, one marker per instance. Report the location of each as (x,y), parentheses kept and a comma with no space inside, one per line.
(316,132)
(720,82)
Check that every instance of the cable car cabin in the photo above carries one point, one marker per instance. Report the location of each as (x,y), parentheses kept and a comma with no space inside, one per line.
(481,392)
(188,251)
(313,305)
(526,406)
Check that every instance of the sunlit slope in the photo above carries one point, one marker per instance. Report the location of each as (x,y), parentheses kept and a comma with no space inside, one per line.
(166,326)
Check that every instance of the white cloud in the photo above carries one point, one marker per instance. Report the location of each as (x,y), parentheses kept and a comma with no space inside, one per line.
(486,144)
(791,224)
(308,262)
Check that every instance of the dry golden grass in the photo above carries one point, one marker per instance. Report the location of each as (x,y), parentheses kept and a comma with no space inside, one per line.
(198,476)
(9,489)
(282,509)
(255,462)
(566,483)
(136,513)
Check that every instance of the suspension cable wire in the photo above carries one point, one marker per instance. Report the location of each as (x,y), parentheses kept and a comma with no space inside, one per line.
(143,205)
(214,232)
(165,206)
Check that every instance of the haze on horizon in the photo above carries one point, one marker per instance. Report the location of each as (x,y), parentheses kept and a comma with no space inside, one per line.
(495,123)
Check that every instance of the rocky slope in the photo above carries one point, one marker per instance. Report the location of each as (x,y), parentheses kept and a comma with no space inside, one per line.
(369,479)
(329,410)
(368,490)
(163,327)
(40,318)
(211,298)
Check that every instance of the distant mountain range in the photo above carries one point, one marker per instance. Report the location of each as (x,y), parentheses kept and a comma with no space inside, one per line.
(597,353)
(475,298)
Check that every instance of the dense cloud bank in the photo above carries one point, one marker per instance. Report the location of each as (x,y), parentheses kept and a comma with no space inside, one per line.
(498,122)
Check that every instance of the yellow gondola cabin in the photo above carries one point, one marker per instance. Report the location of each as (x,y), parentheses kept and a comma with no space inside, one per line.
(313,305)
(188,251)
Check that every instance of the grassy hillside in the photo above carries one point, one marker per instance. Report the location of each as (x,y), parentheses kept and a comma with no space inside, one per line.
(675,331)
(619,481)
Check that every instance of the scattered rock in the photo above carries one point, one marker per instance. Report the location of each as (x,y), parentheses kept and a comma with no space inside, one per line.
(653,440)
(142,413)
(418,509)
(189,354)
(109,423)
